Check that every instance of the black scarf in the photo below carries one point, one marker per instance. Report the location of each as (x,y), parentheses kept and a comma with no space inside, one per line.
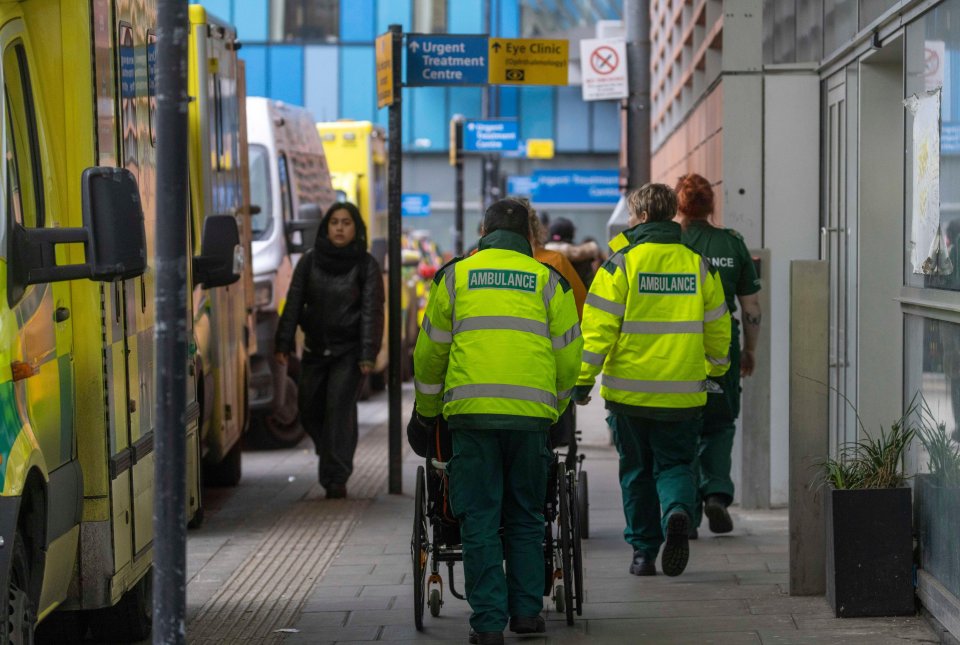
(337,260)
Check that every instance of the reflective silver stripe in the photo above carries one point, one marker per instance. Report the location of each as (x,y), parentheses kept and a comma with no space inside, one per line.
(436,335)
(662,327)
(716,313)
(593,358)
(719,361)
(550,288)
(559,342)
(619,261)
(611,307)
(428,388)
(565,394)
(478,323)
(450,276)
(704,270)
(500,391)
(654,387)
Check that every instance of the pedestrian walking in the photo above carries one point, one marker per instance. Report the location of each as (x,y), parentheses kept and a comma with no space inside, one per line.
(336,298)
(584,257)
(498,355)
(656,325)
(726,251)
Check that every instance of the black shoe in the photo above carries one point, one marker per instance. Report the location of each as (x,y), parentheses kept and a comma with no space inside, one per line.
(641,566)
(676,552)
(715,508)
(336,491)
(528,624)
(486,638)
(694,534)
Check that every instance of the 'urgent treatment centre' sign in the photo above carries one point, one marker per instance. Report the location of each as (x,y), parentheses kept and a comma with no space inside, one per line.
(446,60)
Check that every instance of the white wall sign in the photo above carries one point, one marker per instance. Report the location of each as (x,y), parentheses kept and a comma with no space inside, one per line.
(603,67)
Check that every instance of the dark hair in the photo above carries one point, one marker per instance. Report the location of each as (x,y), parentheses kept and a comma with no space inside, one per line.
(354,215)
(507,215)
(658,201)
(695,196)
(562,230)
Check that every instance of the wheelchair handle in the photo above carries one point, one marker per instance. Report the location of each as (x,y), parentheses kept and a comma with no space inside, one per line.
(439,465)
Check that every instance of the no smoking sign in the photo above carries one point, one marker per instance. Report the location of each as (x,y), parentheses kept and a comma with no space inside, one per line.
(603,68)
(604,60)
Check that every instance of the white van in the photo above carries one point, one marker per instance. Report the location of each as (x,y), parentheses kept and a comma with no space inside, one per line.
(290,183)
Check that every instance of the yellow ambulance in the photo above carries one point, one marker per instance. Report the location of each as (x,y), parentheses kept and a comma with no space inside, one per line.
(77,356)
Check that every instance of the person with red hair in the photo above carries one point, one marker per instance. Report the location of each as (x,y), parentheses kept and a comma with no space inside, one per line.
(725,249)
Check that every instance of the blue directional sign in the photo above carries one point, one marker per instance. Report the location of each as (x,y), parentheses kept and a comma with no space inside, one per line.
(415,205)
(446,60)
(950,138)
(520,185)
(576,187)
(491,135)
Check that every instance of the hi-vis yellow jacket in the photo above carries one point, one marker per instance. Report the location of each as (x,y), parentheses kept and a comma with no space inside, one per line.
(656,324)
(499,346)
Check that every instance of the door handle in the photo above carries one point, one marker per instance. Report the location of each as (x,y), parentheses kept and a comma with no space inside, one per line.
(61,315)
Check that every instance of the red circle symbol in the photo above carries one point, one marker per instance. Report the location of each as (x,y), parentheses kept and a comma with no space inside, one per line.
(604,60)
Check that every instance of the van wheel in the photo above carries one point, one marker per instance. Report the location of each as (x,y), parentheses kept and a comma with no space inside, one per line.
(280,428)
(20,619)
(131,619)
(228,471)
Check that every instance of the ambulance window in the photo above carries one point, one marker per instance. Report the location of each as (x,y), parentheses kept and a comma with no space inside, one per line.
(152,84)
(218,120)
(24,173)
(286,194)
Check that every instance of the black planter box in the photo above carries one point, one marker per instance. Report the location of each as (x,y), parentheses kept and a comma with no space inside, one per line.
(870,552)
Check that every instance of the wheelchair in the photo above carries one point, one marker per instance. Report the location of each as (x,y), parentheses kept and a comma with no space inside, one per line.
(436,532)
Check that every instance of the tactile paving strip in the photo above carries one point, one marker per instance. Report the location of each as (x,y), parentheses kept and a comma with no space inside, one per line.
(267,591)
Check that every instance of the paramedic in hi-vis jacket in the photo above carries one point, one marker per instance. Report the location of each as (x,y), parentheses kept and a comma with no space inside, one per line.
(498,355)
(656,325)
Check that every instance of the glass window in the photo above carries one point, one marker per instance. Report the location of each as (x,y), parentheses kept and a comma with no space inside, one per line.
(261,223)
(25,201)
(539,18)
(304,20)
(286,194)
(932,56)
(152,84)
(933,370)
(839,23)
(430,16)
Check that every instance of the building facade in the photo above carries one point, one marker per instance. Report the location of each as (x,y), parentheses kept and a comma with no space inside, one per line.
(320,54)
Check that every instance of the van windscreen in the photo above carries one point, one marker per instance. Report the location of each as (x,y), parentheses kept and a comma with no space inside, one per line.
(262,222)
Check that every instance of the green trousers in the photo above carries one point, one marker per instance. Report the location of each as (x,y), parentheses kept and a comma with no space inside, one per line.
(500,476)
(713,463)
(656,475)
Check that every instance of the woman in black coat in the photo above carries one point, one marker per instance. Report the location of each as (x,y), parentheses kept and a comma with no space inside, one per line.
(336,297)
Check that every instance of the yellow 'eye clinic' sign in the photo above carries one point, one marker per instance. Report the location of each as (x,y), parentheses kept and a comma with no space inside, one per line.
(528,61)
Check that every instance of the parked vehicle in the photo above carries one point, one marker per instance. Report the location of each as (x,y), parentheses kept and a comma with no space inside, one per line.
(218,189)
(290,190)
(77,316)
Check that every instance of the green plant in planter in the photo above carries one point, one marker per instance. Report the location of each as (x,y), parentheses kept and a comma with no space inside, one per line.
(871,462)
(943,453)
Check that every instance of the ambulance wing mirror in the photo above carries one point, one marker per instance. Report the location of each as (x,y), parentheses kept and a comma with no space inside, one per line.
(112,235)
(220,262)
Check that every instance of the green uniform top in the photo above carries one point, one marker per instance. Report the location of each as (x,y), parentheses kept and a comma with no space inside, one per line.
(725,250)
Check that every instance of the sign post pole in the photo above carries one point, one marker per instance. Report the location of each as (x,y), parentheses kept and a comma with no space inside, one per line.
(456,157)
(394,197)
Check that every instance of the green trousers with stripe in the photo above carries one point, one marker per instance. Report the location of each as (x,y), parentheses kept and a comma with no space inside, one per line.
(714,460)
(656,475)
(500,476)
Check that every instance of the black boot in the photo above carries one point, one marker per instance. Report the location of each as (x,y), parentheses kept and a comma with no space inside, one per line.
(336,491)
(715,508)
(676,551)
(641,566)
(528,624)
(486,638)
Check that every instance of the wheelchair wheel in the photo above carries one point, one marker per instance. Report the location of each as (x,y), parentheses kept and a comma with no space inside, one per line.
(575,524)
(566,548)
(583,504)
(419,549)
(435,602)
